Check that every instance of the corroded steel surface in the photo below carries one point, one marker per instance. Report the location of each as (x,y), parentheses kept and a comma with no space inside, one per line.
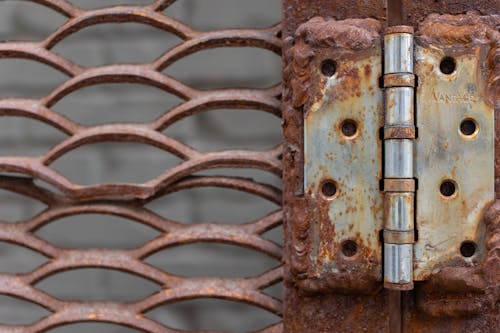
(460,299)
(342,118)
(457,299)
(297,12)
(306,312)
(414,12)
(65,198)
(446,150)
(463,296)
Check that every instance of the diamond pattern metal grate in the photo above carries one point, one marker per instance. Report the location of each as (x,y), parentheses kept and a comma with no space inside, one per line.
(29,176)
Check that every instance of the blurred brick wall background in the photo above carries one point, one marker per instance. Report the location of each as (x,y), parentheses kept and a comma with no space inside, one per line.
(221,129)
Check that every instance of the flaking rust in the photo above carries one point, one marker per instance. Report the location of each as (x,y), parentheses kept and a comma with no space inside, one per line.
(334,70)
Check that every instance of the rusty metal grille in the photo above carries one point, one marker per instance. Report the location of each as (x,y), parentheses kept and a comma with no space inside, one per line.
(33,177)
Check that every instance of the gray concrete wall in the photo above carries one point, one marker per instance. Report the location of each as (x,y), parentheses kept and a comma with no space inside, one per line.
(222,129)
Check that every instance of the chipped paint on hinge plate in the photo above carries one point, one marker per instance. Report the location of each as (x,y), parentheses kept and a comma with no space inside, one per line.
(353,163)
(443,153)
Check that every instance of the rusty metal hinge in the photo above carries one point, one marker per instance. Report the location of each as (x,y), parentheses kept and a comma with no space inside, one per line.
(397,174)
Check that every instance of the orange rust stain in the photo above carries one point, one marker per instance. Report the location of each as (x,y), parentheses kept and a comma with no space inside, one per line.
(368,70)
(349,87)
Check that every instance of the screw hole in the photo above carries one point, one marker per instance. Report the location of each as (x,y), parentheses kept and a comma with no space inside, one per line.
(328,67)
(467,249)
(447,65)
(447,188)
(349,128)
(468,127)
(349,248)
(329,189)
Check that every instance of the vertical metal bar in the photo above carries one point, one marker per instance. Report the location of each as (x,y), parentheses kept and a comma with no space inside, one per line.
(395,319)
(399,133)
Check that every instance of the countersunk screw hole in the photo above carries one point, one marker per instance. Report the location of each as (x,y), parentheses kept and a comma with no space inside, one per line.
(349,248)
(349,128)
(467,249)
(468,127)
(328,67)
(447,188)
(447,65)
(329,189)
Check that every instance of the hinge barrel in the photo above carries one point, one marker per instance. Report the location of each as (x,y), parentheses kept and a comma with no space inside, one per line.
(399,135)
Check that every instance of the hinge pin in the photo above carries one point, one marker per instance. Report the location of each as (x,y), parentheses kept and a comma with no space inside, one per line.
(399,135)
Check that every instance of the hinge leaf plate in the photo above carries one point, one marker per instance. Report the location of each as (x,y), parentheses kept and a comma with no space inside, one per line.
(343,168)
(454,149)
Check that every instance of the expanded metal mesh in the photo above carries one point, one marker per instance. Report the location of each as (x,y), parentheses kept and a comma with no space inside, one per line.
(33,177)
